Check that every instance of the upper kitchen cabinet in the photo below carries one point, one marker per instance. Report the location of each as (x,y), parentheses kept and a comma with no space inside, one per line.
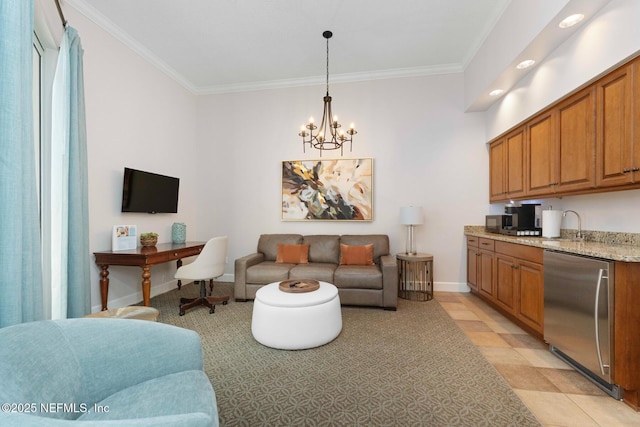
(618,157)
(542,164)
(562,147)
(576,150)
(507,165)
(588,142)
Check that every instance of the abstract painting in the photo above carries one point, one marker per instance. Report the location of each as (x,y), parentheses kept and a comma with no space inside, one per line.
(334,190)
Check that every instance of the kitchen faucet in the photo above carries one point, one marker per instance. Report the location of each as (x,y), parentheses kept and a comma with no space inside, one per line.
(579,233)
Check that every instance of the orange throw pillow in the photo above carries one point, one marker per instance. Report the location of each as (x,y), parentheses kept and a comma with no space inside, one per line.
(293,254)
(356,255)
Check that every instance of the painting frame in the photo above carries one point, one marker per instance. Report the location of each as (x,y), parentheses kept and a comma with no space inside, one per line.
(327,190)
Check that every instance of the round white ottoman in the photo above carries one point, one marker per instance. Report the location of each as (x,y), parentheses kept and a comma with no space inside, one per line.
(295,321)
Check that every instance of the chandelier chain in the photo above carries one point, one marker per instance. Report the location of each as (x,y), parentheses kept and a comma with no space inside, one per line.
(327,66)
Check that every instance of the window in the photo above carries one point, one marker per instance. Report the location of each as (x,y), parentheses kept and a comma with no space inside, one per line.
(45,53)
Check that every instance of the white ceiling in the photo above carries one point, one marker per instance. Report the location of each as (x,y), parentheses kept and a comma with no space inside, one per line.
(213,46)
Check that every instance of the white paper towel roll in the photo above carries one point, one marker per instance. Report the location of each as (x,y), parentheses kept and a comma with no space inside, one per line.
(551,221)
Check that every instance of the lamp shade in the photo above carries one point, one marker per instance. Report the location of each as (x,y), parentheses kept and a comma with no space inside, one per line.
(411,215)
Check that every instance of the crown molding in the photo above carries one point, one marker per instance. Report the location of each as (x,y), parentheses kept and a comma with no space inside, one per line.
(118,33)
(335,78)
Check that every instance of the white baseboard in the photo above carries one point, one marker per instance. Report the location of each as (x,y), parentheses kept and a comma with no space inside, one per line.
(451,287)
(172,284)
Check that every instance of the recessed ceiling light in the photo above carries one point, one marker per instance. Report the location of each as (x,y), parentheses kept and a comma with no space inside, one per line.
(571,20)
(525,64)
(496,92)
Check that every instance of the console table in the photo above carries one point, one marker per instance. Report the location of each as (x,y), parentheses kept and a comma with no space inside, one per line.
(143,257)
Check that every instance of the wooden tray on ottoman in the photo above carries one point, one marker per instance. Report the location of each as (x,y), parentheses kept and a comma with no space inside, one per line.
(298,286)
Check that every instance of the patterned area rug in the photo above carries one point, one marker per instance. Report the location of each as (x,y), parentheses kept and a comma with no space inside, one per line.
(412,367)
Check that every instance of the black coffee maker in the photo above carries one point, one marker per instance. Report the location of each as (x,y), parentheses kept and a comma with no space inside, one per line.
(526,219)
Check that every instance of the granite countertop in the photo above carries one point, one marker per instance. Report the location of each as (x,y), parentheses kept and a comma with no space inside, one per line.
(614,246)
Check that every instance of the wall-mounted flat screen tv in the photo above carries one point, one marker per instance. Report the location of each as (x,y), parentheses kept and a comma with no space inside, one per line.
(149,192)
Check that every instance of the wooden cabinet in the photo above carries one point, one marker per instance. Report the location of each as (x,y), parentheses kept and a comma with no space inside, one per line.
(618,158)
(561,147)
(497,167)
(586,143)
(576,151)
(626,369)
(530,308)
(472,263)
(480,265)
(486,264)
(541,158)
(520,283)
(507,165)
(506,282)
(510,277)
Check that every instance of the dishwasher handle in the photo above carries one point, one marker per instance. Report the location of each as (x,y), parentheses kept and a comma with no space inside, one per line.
(601,275)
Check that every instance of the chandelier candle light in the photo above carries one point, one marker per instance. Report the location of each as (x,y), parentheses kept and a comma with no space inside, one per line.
(328,137)
(410,215)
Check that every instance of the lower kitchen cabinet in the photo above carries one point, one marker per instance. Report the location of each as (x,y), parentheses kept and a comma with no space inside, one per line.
(506,283)
(626,369)
(510,277)
(530,309)
(480,265)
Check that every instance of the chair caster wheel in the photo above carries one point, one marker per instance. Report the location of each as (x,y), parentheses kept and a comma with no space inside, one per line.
(181,313)
(211,311)
(225,302)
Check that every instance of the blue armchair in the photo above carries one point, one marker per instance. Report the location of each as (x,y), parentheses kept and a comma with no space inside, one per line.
(104,372)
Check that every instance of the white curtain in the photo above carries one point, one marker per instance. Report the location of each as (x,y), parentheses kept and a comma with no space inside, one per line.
(70,258)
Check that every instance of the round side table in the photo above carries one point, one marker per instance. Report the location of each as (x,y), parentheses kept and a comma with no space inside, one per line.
(415,276)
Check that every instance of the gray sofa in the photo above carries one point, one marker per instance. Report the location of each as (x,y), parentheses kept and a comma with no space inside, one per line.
(375,286)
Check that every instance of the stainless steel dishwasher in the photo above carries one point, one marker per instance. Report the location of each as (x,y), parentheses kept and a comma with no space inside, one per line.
(578,315)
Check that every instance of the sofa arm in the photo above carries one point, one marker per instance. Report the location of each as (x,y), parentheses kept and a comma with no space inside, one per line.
(389,268)
(88,359)
(240,274)
(114,354)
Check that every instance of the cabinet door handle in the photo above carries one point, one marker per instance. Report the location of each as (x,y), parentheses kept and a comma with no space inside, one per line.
(626,170)
(635,169)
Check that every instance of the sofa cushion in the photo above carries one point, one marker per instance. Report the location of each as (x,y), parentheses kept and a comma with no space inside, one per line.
(358,277)
(313,270)
(293,254)
(268,272)
(323,248)
(356,255)
(380,243)
(268,243)
(157,397)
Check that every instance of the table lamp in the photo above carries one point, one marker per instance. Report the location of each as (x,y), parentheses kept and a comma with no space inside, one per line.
(410,215)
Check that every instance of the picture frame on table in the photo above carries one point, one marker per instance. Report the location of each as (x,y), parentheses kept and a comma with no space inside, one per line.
(124,237)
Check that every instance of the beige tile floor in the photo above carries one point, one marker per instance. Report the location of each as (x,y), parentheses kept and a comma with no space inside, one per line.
(554,392)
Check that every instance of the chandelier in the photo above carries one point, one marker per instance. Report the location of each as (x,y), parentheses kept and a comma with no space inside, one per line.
(327,137)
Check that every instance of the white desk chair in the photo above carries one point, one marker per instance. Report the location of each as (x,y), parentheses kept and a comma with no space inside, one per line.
(209,265)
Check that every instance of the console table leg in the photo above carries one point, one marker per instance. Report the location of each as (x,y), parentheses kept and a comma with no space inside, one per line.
(179,264)
(146,284)
(104,285)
